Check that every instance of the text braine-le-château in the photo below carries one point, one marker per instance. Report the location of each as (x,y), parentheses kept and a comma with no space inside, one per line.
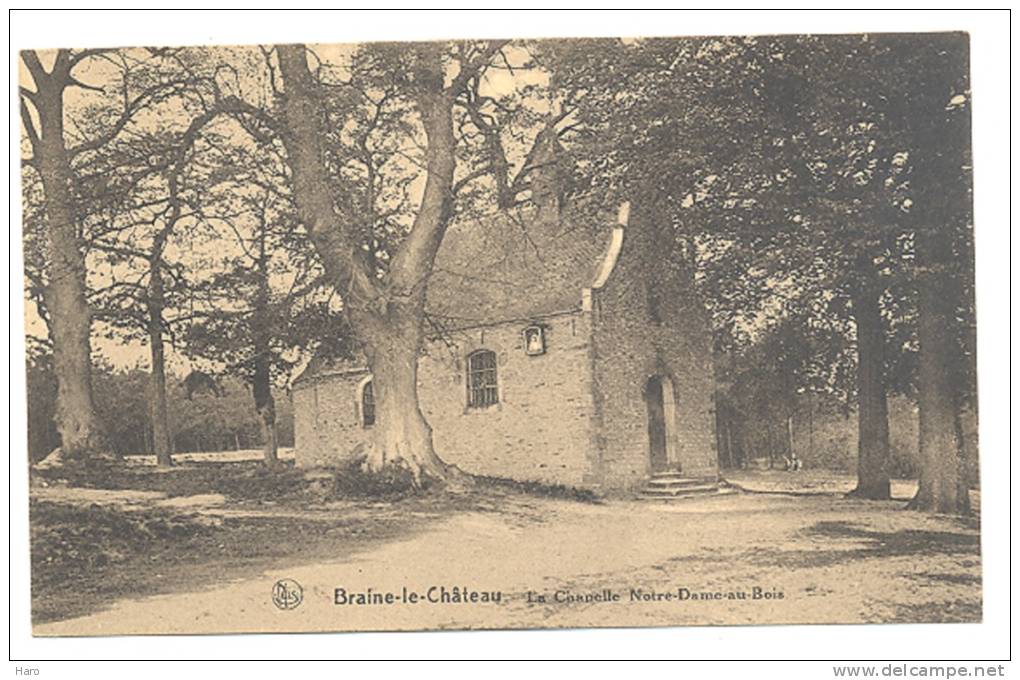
(432,595)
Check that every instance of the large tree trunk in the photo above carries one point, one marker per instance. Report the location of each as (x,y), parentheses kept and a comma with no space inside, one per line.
(940,183)
(385,314)
(81,433)
(401,435)
(872,407)
(161,442)
(942,486)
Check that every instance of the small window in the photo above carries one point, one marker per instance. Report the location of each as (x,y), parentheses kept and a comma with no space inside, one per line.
(367,405)
(482,386)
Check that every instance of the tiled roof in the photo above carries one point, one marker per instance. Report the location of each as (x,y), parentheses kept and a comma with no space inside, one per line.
(513,266)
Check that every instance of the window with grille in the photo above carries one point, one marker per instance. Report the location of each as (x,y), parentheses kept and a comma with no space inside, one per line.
(367,405)
(482,386)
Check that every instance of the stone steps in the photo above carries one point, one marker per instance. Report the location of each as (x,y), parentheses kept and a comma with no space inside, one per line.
(667,486)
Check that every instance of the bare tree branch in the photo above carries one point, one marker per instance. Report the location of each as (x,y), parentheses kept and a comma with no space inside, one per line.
(472,67)
(130,110)
(35,67)
(30,131)
(74,82)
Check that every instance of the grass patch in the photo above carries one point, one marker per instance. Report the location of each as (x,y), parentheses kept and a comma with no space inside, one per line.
(392,483)
(71,541)
(395,483)
(542,489)
(238,480)
(284,483)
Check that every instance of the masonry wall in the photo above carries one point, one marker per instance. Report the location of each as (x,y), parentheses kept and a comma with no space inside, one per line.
(540,429)
(327,422)
(647,322)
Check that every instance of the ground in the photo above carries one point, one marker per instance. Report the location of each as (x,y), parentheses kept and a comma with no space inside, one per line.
(184,552)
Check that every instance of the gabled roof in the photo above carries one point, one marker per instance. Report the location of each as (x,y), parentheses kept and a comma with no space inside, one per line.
(515,265)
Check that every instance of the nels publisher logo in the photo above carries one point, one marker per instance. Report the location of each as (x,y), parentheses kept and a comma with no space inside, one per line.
(287,593)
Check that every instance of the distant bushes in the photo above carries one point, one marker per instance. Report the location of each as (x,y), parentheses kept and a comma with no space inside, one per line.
(205,423)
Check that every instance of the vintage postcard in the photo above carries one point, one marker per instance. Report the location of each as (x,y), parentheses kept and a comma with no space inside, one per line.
(499,334)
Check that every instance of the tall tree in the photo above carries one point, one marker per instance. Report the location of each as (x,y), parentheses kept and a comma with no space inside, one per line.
(144,213)
(872,398)
(935,112)
(386,311)
(144,298)
(60,161)
(67,307)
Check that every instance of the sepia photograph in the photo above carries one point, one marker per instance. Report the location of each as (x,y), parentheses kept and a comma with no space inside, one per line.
(525,333)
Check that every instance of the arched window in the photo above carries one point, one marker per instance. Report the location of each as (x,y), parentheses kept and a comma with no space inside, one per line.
(367,405)
(482,386)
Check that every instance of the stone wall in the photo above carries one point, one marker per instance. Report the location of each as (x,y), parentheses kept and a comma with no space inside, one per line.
(647,322)
(540,429)
(327,422)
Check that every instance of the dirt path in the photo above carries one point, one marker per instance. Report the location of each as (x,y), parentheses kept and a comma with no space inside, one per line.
(832,560)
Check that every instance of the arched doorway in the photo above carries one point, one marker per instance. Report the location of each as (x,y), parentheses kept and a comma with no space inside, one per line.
(661,407)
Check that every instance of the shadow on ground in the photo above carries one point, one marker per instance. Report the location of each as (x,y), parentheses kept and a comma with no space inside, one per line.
(897,543)
(864,544)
